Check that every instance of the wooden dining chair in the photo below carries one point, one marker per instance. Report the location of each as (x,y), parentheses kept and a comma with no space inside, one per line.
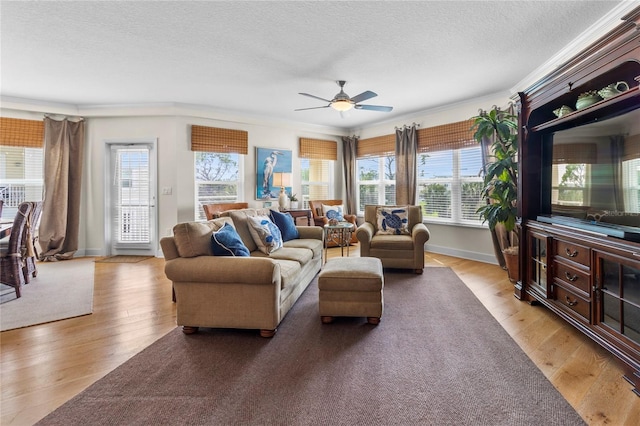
(31,241)
(11,255)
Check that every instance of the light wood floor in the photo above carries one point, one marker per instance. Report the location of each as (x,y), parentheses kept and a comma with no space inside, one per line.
(46,365)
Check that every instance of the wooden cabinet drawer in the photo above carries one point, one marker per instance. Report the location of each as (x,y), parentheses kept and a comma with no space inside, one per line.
(573,302)
(571,277)
(573,252)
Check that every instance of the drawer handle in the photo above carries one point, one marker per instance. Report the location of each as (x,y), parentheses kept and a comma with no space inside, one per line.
(569,302)
(571,253)
(569,277)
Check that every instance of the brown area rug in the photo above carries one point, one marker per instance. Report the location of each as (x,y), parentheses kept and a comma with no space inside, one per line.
(438,357)
(122,259)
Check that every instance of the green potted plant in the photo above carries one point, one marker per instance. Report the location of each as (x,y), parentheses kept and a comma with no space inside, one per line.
(500,189)
(294,201)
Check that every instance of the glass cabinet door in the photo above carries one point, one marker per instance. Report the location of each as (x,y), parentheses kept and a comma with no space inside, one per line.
(538,261)
(618,296)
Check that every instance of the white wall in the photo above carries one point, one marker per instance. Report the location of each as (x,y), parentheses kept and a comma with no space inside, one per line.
(171,127)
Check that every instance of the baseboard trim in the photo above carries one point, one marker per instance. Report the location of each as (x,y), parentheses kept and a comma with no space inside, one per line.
(480,257)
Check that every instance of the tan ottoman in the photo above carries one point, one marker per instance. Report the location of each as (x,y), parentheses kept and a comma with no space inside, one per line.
(351,287)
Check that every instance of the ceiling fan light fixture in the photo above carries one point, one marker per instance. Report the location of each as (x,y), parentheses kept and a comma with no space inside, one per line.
(341,105)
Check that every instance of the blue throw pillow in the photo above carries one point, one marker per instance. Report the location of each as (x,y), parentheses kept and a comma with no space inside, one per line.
(227,242)
(286,224)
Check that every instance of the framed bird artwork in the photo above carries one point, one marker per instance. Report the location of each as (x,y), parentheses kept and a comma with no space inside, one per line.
(273,173)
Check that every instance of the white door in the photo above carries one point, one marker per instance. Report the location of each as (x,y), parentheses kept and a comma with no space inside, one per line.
(131,199)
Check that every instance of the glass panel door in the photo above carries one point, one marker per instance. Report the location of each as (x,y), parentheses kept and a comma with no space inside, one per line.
(132,200)
(619,287)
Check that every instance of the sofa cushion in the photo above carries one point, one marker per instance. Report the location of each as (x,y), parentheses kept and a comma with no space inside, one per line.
(286,225)
(194,238)
(333,212)
(302,256)
(265,233)
(392,220)
(392,242)
(315,246)
(227,242)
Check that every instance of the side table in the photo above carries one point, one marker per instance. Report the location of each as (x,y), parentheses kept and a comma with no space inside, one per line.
(339,234)
(296,213)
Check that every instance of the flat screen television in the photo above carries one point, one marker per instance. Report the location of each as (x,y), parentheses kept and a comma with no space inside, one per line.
(591,176)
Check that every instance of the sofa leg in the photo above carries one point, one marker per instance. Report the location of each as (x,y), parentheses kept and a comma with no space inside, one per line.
(373,320)
(187,329)
(267,333)
(419,271)
(326,320)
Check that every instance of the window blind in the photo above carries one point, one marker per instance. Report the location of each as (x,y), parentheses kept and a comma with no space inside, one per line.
(215,139)
(575,153)
(376,147)
(22,133)
(631,148)
(456,135)
(318,149)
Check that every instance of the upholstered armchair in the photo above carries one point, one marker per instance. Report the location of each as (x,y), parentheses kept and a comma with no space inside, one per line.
(319,219)
(395,235)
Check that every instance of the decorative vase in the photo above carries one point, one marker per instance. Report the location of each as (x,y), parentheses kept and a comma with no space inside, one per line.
(613,89)
(512,262)
(587,98)
(563,110)
(283,199)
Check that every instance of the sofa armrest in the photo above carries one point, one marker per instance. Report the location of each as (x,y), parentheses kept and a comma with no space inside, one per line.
(169,248)
(223,269)
(365,233)
(420,234)
(310,232)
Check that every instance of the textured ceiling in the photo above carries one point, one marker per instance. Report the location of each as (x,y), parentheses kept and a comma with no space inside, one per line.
(252,58)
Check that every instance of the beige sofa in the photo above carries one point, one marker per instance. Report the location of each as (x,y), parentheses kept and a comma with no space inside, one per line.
(253,292)
(404,251)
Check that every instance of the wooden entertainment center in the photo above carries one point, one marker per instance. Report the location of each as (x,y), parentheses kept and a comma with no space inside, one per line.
(590,278)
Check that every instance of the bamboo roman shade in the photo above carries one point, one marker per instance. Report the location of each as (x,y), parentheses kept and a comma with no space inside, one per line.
(215,139)
(631,148)
(446,137)
(376,147)
(22,133)
(318,149)
(575,153)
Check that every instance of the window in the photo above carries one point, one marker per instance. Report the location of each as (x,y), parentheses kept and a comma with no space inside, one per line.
(218,169)
(376,181)
(317,159)
(217,179)
(21,163)
(21,177)
(450,185)
(316,180)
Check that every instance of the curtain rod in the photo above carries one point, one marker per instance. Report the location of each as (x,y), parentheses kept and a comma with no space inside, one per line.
(64,117)
(406,126)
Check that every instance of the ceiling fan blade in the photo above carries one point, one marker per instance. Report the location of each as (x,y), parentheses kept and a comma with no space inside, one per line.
(302,109)
(315,97)
(374,108)
(363,96)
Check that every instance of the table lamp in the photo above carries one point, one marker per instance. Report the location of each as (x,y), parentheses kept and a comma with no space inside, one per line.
(282,179)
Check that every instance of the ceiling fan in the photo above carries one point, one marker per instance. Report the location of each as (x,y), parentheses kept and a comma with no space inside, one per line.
(342,102)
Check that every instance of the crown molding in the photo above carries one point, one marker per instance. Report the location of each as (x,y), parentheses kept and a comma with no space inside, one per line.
(591,35)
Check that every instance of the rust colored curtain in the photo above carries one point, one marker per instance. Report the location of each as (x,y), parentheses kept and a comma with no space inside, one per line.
(63,158)
(406,149)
